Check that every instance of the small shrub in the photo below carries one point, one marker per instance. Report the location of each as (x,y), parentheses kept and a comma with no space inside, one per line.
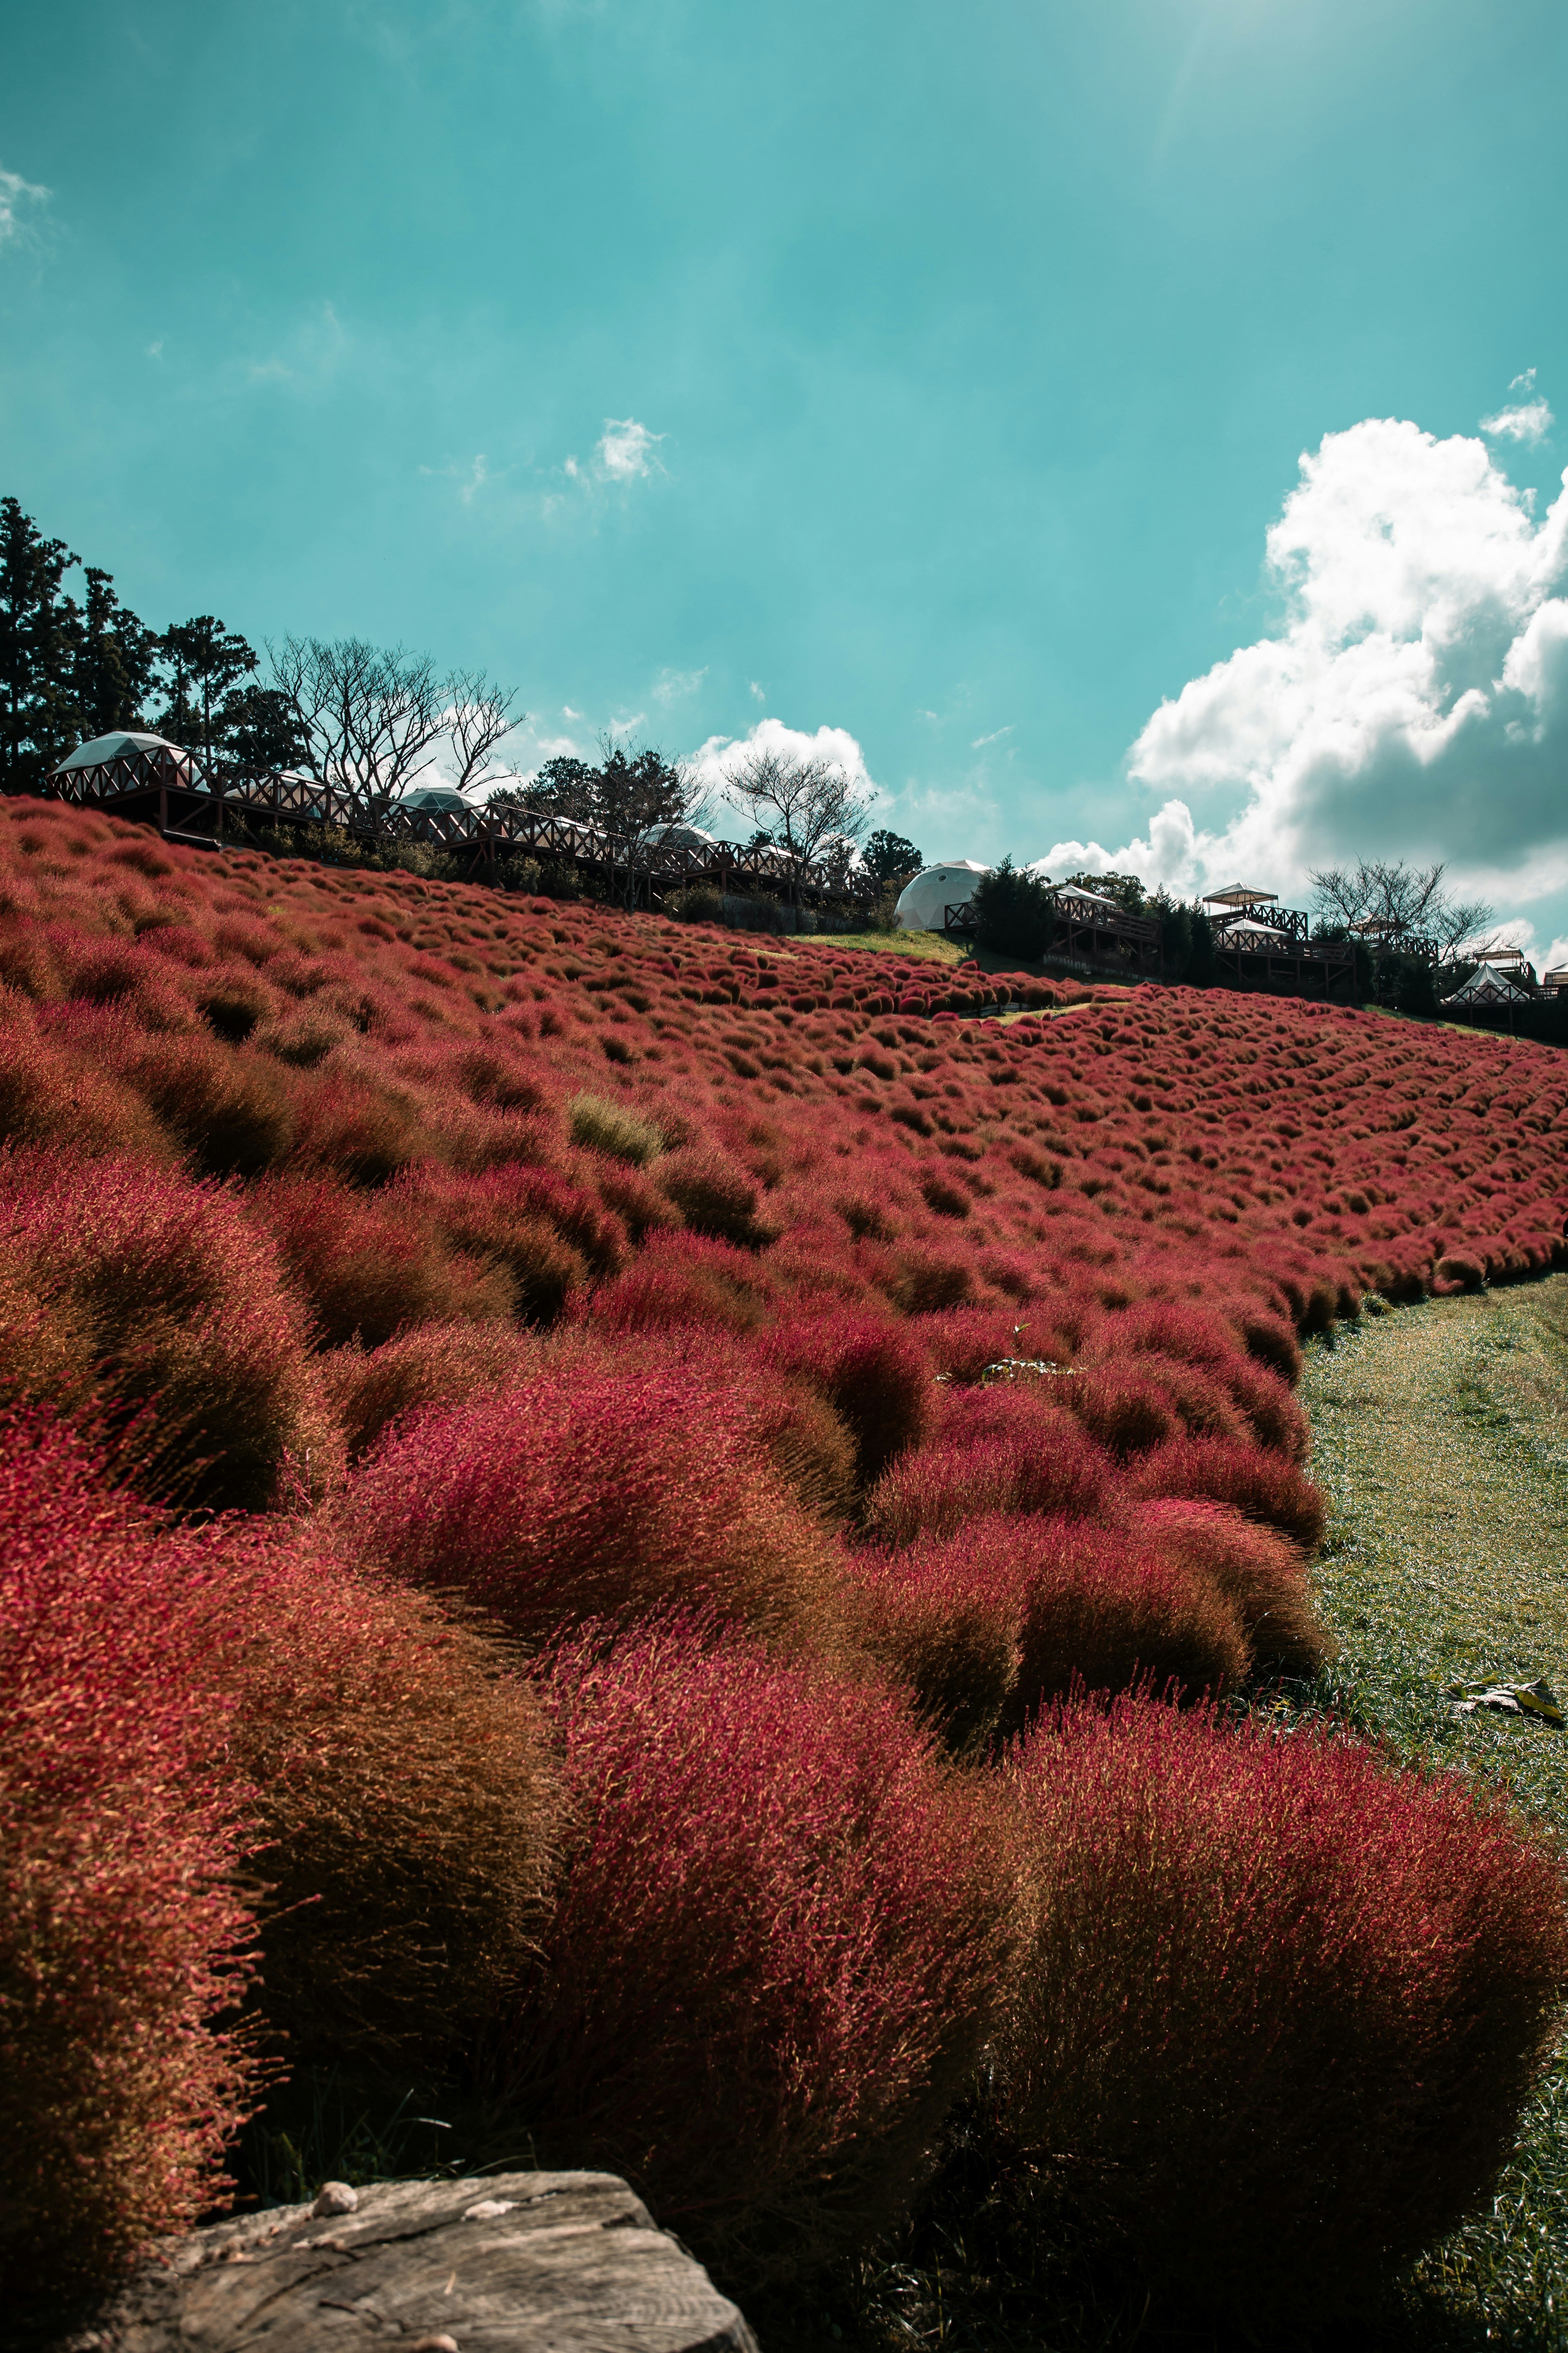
(712,1195)
(1125,1412)
(173,1310)
(364,1267)
(1278,2008)
(682,1279)
(437,1364)
(403,1800)
(1260,1573)
(775,1957)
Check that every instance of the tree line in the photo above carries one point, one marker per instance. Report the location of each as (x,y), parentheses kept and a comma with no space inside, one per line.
(368,719)
(1401,922)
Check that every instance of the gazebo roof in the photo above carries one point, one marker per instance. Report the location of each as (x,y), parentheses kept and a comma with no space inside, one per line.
(118,746)
(1486,985)
(1241,894)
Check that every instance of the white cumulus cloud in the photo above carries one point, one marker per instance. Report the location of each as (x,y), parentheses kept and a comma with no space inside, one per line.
(1413,702)
(626,450)
(716,760)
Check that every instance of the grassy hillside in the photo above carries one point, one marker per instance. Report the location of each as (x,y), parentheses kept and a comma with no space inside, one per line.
(597,1460)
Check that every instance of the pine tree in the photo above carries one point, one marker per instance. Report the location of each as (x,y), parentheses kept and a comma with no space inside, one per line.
(38,637)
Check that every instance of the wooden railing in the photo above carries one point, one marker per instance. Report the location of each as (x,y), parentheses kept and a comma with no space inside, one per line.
(194,795)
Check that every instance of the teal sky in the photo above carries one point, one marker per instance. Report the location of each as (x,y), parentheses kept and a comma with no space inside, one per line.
(928,373)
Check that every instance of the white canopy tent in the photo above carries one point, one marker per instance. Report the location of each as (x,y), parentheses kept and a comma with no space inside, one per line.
(923,903)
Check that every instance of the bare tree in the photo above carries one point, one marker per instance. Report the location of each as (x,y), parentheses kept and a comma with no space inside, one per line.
(371,714)
(808,805)
(1400,901)
(479,716)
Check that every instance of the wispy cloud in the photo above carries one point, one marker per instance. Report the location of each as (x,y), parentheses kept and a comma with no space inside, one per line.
(475,476)
(310,357)
(674,685)
(624,451)
(758,693)
(1529,420)
(995,737)
(20,204)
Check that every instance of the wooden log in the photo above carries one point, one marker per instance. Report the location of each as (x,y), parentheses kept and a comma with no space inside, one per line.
(568,2262)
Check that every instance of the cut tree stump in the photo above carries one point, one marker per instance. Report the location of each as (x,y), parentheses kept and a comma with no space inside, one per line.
(555,2263)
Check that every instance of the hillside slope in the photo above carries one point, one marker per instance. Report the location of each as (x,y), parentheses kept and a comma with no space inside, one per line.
(683,1421)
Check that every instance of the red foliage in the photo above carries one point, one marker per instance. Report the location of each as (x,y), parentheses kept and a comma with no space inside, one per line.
(775,1954)
(1280,2003)
(588,1493)
(154,1296)
(1259,1485)
(119,1926)
(871,1374)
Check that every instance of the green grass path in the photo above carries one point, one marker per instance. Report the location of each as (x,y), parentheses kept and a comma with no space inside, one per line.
(1440,1436)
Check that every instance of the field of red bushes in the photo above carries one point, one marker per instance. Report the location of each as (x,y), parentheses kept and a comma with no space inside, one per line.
(567,1477)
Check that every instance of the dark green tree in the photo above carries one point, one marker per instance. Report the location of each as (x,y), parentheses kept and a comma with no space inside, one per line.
(37,644)
(1125,891)
(258,728)
(889,858)
(562,788)
(1014,912)
(202,661)
(113,659)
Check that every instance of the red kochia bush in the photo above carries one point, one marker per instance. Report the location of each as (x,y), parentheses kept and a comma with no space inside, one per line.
(1007,1449)
(588,1493)
(873,1375)
(119,1925)
(1259,1485)
(1261,1574)
(1010,1611)
(153,1292)
(775,1957)
(401,1800)
(1279,2005)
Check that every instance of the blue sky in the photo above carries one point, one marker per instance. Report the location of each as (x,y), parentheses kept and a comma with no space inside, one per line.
(933,375)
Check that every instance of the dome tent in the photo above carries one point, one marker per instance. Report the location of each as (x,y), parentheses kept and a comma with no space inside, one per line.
(122,746)
(435,796)
(922,902)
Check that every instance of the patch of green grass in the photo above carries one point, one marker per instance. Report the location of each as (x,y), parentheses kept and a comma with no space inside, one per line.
(1440,1436)
(926,947)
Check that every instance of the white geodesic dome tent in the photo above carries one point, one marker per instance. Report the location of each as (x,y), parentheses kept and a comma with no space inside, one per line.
(922,903)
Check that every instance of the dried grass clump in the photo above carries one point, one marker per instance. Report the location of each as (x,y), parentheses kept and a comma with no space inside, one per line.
(774,1957)
(610,1128)
(1278,2007)
(120,1932)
